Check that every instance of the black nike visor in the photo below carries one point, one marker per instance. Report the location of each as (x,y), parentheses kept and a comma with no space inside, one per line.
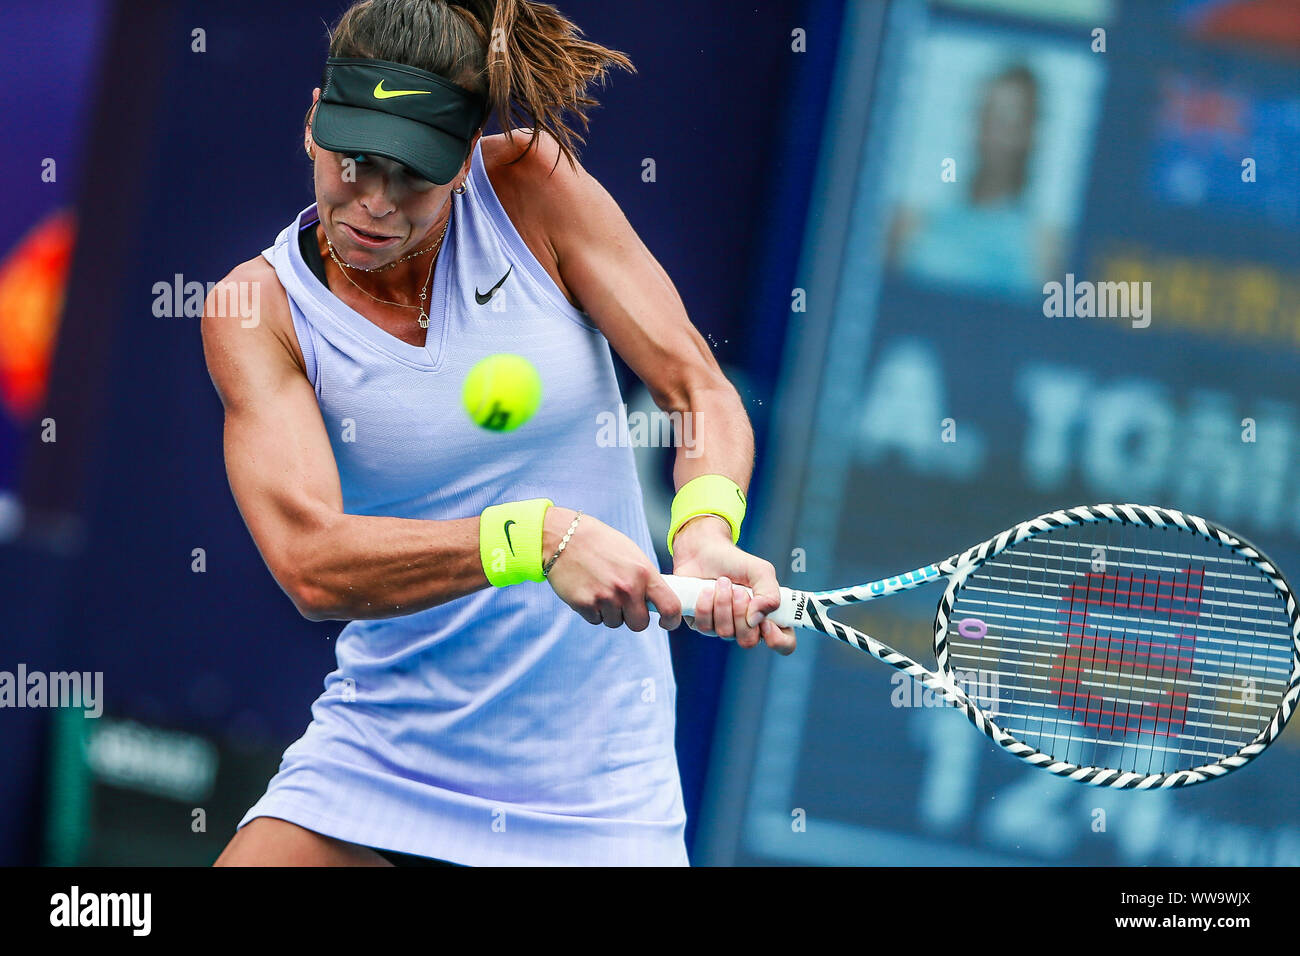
(411,116)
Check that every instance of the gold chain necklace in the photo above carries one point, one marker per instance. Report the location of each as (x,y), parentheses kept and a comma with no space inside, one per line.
(395,262)
(423,319)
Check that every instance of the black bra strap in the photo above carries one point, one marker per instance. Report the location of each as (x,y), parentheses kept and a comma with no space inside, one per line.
(311,252)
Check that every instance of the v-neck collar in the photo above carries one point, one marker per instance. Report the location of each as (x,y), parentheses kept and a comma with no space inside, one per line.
(430,354)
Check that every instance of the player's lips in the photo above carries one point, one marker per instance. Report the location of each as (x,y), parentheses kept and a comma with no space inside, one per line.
(370,240)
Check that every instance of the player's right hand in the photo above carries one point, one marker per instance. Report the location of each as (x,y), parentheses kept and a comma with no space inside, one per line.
(604,575)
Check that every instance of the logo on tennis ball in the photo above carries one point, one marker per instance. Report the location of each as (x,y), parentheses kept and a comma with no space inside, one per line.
(502,392)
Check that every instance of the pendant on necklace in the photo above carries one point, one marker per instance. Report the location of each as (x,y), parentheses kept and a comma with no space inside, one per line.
(423,320)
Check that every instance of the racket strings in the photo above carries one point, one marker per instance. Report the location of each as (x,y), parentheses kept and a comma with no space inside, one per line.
(1236,642)
(1104,646)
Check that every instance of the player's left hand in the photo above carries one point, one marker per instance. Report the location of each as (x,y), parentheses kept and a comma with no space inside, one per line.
(703,549)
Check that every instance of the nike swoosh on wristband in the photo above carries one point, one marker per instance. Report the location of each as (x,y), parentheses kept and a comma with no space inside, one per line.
(508,524)
(482,298)
(383,94)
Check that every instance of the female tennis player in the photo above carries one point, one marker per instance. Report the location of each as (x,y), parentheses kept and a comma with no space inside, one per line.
(503,694)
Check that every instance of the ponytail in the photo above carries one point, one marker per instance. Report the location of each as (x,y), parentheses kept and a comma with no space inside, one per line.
(525,58)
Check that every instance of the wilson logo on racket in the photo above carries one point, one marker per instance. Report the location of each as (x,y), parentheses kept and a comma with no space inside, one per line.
(1126,668)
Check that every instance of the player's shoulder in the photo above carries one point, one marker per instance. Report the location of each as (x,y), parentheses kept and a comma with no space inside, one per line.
(259,270)
(255,268)
(247,313)
(252,284)
(529,159)
(543,195)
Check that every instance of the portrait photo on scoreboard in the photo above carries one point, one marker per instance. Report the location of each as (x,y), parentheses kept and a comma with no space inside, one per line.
(1010,124)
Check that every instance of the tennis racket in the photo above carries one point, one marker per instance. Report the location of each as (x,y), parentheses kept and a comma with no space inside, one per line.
(1124,646)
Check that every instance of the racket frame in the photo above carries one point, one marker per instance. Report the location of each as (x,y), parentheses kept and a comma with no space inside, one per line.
(808,609)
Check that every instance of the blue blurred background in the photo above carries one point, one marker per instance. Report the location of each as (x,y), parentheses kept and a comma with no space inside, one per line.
(857,295)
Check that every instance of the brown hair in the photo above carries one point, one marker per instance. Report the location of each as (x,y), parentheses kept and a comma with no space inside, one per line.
(982,186)
(511,52)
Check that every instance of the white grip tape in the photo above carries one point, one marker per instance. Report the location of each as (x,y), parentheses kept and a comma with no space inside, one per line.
(688,592)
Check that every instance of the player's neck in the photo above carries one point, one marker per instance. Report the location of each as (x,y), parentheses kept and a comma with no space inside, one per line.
(402,283)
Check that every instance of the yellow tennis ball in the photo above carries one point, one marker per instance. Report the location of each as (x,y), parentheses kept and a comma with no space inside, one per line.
(502,392)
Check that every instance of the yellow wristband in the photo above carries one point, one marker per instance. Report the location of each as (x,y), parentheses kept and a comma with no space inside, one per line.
(510,541)
(708,495)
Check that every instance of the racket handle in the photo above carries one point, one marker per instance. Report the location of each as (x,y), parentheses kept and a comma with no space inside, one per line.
(688,592)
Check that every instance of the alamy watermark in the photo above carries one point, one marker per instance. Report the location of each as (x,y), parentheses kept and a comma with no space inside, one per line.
(77,908)
(981,686)
(71,689)
(230,299)
(1102,300)
(638,429)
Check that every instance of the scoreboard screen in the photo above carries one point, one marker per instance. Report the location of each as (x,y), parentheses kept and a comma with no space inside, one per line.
(1054,260)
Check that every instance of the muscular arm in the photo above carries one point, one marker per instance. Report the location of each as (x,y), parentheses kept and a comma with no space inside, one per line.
(632,300)
(334,566)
